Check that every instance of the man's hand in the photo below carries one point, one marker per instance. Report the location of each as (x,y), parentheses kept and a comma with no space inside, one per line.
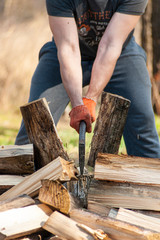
(91,105)
(78,114)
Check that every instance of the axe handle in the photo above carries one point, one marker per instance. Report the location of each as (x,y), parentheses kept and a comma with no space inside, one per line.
(82,132)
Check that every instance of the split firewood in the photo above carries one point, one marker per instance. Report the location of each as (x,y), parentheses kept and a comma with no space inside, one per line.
(98,208)
(57,169)
(19,222)
(8,181)
(130,169)
(115,229)
(54,194)
(16,159)
(138,219)
(131,196)
(17,202)
(71,230)
(109,126)
(42,133)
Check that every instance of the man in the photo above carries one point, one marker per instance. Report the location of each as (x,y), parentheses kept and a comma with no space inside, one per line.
(93,45)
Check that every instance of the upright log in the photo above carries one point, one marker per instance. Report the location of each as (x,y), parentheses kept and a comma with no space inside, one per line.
(57,169)
(16,159)
(42,133)
(109,126)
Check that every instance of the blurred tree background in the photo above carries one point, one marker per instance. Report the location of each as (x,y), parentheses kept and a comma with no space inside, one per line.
(24,29)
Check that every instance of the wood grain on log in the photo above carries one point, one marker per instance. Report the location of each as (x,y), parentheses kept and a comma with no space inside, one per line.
(122,168)
(16,159)
(42,133)
(138,219)
(16,202)
(71,230)
(19,222)
(57,169)
(114,228)
(109,126)
(131,196)
(56,195)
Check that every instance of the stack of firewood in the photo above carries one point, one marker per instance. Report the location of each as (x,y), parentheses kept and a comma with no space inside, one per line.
(119,199)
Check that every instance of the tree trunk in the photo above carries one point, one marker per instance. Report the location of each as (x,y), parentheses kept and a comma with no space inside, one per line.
(109,126)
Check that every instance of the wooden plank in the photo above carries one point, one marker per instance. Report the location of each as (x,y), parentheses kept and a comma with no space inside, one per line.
(42,132)
(17,202)
(131,196)
(22,221)
(122,168)
(70,230)
(138,219)
(57,169)
(115,229)
(16,159)
(54,194)
(109,126)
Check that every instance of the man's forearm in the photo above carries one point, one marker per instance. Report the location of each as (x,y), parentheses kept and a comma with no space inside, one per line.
(71,73)
(102,71)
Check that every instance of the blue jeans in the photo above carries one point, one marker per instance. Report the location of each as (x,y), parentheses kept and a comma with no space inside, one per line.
(130,80)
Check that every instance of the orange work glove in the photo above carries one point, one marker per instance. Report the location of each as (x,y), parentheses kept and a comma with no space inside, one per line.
(78,114)
(91,105)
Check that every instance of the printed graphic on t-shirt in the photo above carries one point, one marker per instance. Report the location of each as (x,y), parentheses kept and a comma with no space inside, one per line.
(92,25)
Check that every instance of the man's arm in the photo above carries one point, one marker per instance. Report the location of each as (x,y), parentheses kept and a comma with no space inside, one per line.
(109,50)
(66,38)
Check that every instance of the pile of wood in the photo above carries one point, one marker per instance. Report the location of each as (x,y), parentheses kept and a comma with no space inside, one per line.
(120,199)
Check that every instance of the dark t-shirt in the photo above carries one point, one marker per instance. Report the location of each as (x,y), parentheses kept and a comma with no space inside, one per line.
(92,18)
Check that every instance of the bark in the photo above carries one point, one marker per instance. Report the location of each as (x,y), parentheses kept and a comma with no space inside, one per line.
(109,126)
(42,133)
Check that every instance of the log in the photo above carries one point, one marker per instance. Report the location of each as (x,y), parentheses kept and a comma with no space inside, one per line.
(109,126)
(131,196)
(16,159)
(138,219)
(17,202)
(129,169)
(54,194)
(8,181)
(70,229)
(115,229)
(57,169)
(19,222)
(42,133)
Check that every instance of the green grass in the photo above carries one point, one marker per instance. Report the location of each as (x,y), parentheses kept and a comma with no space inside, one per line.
(10,122)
